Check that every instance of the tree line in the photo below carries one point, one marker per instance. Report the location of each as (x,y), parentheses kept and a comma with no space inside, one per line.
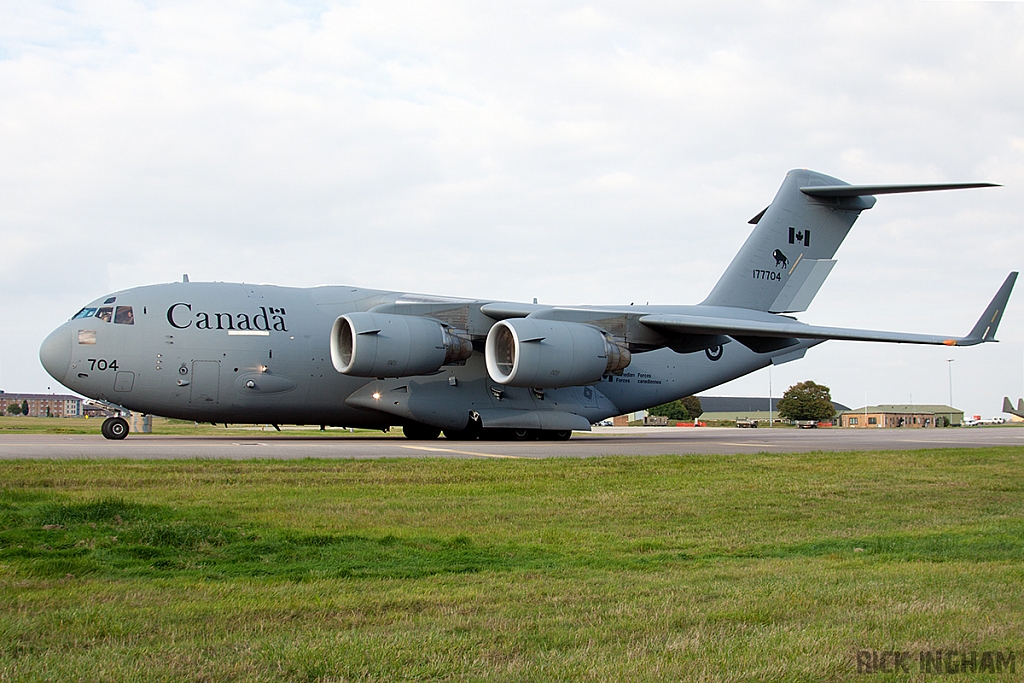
(15,409)
(802,401)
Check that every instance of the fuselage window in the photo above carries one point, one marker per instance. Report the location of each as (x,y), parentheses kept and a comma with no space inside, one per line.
(85,313)
(124,316)
(105,313)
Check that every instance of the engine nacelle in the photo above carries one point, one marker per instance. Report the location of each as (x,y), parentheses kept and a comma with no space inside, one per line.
(546,354)
(383,345)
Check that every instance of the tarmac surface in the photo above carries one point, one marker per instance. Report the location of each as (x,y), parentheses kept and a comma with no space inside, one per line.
(602,441)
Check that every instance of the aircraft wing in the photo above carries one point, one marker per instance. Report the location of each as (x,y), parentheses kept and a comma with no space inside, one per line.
(786,328)
(691,324)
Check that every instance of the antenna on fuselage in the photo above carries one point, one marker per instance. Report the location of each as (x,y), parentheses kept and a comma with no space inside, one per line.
(184,277)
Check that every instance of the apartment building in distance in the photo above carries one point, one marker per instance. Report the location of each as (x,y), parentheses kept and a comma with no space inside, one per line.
(44,405)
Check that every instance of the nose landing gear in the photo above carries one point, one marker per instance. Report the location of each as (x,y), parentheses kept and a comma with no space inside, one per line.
(115,428)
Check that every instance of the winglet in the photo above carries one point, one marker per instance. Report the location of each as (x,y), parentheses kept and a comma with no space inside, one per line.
(985,329)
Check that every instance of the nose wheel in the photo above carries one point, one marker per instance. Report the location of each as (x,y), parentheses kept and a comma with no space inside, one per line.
(115,428)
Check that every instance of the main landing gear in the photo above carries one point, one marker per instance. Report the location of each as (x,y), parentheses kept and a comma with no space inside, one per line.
(512,435)
(420,432)
(115,428)
(423,432)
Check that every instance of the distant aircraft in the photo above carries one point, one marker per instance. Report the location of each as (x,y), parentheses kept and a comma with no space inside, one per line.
(472,368)
(1008,407)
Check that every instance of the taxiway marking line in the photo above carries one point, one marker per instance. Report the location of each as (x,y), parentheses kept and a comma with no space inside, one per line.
(751,445)
(451,450)
(927,441)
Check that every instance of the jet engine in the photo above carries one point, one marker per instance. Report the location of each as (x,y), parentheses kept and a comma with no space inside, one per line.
(382,345)
(527,352)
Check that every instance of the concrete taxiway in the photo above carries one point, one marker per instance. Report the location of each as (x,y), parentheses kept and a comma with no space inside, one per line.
(602,441)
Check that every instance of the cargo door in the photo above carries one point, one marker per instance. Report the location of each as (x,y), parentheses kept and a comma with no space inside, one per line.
(205,381)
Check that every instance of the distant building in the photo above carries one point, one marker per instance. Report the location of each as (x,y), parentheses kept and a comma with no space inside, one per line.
(624,420)
(44,405)
(901,415)
(744,408)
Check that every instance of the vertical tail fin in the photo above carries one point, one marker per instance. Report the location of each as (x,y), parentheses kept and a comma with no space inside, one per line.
(1008,407)
(789,254)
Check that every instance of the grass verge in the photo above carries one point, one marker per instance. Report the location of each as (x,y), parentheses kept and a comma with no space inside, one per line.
(759,567)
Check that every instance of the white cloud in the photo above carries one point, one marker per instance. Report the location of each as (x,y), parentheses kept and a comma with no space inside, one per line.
(598,153)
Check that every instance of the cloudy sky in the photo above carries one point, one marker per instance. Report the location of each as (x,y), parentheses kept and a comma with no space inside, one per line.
(578,153)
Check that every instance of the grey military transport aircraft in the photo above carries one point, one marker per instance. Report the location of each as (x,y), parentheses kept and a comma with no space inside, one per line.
(352,357)
(1008,407)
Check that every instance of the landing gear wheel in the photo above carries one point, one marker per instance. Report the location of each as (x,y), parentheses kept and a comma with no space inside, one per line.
(420,432)
(115,428)
(557,434)
(460,435)
(472,432)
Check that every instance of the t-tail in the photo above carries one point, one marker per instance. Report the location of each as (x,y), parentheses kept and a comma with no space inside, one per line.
(787,257)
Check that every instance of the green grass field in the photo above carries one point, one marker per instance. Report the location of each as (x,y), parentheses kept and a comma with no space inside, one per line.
(718,568)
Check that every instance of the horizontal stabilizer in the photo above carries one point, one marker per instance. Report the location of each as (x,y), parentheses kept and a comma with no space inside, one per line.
(869,190)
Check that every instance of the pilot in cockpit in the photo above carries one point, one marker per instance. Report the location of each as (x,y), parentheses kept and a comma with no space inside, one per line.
(122,315)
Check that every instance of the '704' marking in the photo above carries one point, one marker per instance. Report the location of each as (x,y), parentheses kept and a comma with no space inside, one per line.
(102,364)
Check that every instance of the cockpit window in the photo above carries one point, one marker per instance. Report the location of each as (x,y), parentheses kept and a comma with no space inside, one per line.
(124,316)
(105,313)
(85,313)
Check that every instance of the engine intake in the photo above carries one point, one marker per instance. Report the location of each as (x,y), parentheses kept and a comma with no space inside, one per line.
(527,352)
(383,345)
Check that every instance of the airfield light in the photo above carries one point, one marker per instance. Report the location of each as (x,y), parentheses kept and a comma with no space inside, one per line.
(949,364)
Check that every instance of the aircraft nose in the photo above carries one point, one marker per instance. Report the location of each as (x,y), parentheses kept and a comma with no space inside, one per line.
(55,353)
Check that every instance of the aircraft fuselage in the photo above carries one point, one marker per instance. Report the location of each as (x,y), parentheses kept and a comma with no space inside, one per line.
(223,352)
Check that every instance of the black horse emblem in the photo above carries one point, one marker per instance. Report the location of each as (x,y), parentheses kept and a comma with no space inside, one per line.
(780,258)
